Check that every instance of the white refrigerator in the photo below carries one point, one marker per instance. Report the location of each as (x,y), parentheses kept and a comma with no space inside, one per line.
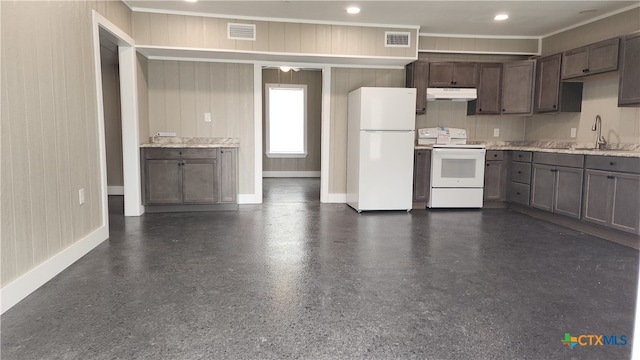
(380,146)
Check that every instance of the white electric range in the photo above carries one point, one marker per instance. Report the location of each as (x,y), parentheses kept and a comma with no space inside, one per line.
(457,168)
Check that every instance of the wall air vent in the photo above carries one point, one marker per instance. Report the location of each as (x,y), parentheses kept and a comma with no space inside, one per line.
(396,39)
(241,31)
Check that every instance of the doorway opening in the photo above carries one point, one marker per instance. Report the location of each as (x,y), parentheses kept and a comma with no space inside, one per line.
(291,174)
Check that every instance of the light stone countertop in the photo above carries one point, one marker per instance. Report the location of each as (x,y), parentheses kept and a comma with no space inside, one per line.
(191,142)
(628,150)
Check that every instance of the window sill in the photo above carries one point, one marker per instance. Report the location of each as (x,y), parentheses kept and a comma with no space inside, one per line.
(286,156)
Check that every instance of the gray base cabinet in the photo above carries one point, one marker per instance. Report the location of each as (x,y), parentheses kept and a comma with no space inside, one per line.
(556,183)
(174,177)
(611,197)
(519,177)
(421,175)
(495,174)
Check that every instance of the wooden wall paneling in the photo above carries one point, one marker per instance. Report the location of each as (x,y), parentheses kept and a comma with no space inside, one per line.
(380,48)
(339,39)
(337,150)
(143,99)
(188,115)
(232,98)
(202,100)
(34,151)
(157,112)
(292,37)
(76,89)
(308,38)
(159,28)
(369,41)
(276,37)
(369,77)
(354,40)
(142,28)
(246,152)
(262,36)
(211,28)
(323,39)
(194,31)
(616,25)
(8,264)
(177,30)
(172,97)
(58,35)
(48,122)
(217,99)
(223,41)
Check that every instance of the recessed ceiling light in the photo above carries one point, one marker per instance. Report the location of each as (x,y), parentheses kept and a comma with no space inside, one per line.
(353,10)
(501,17)
(285,68)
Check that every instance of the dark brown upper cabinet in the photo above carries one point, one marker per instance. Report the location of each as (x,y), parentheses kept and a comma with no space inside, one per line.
(592,59)
(552,95)
(517,87)
(489,101)
(629,90)
(453,74)
(417,76)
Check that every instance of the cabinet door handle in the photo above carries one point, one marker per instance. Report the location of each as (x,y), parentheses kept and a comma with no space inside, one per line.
(610,177)
(517,192)
(612,163)
(180,153)
(555,106)
(519,155)
(487,164)
(504,110)
(495,155)
(554,170)
(519,172)
(479,110)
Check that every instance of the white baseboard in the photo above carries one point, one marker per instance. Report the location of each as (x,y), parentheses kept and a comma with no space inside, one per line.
(335,198)
(21,287)
(288,174)
(115,190)
(249,199)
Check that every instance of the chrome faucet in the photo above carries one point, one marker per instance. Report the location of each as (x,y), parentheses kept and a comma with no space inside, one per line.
(601,143)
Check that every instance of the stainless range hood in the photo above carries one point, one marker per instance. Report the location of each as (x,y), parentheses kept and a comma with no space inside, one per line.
(451,94)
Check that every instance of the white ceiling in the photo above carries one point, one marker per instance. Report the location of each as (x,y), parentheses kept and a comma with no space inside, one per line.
(527,18)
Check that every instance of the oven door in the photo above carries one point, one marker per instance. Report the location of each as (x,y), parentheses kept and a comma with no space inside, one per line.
(457,167)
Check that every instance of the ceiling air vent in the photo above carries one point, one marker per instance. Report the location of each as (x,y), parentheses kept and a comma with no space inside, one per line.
(241,31)
(396,39)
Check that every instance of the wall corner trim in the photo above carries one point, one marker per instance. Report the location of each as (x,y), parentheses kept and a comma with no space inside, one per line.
(20,288)
(247,199)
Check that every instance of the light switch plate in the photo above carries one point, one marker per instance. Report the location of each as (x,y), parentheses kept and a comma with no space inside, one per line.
(81,196)
(573,133)
(496,132)
(207,117)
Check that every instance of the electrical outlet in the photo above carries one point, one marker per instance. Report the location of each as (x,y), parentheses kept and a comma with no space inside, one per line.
(573,133)
(496,132)
(81,196)
(207,117)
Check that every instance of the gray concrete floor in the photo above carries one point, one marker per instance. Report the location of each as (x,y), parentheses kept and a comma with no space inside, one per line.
(294,278)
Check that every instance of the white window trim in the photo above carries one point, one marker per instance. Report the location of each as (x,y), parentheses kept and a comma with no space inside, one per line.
(267,127)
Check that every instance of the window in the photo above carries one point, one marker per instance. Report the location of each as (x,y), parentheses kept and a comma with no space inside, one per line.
(286,130)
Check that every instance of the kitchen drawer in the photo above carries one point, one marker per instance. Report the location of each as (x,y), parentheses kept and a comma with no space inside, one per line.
(521,172)
(180,153)
(568,160)
(494,155)
(518,193)
(613,163)
(524,156)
